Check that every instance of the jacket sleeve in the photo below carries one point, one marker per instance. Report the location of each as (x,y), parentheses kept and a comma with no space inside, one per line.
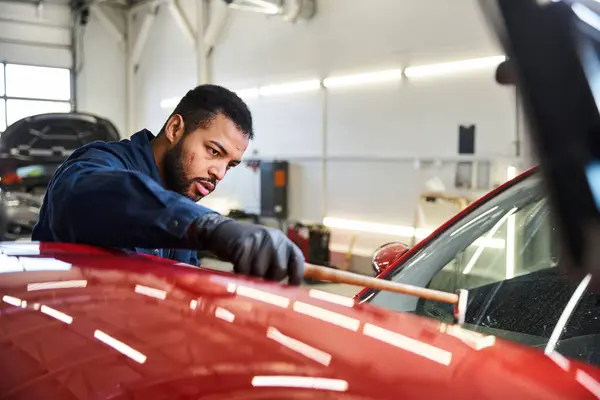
(94,199)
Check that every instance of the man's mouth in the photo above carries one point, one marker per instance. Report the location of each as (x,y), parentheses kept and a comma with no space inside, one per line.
(204,187)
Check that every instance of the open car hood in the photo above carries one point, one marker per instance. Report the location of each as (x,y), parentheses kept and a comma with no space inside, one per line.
(50,138)
(78,322)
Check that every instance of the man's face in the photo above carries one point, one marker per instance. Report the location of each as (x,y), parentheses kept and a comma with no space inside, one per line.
(199,160)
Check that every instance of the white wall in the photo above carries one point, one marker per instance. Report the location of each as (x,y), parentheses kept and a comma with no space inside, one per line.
(101,84)
(416,118)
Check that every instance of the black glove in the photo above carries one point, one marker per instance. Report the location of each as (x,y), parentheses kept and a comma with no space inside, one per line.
(252,249)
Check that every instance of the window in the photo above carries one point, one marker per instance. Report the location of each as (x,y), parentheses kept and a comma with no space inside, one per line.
(488,272)
(506,255)
(2,80)
(38,82)
(2,115)
(27,90)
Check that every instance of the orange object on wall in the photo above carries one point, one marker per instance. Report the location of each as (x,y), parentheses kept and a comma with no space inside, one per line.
(279,178)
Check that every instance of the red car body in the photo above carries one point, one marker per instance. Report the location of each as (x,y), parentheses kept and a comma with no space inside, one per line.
(78,322)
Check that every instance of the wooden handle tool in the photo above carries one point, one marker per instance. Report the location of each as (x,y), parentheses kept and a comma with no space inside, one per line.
(333,275)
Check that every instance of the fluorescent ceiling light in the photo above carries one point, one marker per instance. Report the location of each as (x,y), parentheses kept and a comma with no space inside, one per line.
(398,230)
(56,285)
(224,314)
(170,103)
(588,382)
(300,347)
(43,264)
(511,173)
(67,319)
(488,236)
(13,301)
(330,297)
(306,382)
(559,360)
(120,347)
(263,296)
(326,315)
(405,343)
(510,246)
(453,67)
(361,79)
(151,292)
(247,93)
(288,88)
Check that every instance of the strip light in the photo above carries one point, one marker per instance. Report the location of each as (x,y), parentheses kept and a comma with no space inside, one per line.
(306,382)
(330,297)
(248,93)
(224,314)
(566,314)
(511,173)
(398,230)
(559,360)
(405,343)
(288,88)
(151,292)
(13,301)
(56,285)
(120,347)
(51,312)
(391,75)
(263,296)
(453,67)
(170,103)
(300,347)
(326,315)
(588,382)
(488,236)
(361,79)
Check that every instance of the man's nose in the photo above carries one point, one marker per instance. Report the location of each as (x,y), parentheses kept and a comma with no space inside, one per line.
(217,171)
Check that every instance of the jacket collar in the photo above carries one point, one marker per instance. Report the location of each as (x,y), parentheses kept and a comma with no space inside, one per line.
(146,161)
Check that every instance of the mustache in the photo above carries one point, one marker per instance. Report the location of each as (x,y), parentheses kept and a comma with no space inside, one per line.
(213,181)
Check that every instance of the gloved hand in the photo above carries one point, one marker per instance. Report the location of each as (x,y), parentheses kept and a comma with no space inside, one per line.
(252,249)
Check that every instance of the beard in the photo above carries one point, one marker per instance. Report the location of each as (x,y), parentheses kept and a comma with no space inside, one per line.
(175,175)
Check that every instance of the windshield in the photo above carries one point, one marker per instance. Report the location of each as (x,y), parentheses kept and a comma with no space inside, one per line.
(506,254)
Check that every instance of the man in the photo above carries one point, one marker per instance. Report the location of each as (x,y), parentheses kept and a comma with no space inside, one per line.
(141,194)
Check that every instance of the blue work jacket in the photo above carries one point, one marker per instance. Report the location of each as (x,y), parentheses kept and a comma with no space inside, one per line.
(110,194)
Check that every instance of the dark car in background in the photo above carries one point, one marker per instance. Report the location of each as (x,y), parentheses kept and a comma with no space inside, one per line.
(31,150)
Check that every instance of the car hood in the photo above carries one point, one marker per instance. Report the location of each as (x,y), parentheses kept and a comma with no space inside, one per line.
(78,322)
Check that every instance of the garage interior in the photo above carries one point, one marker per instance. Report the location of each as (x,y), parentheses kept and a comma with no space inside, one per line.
(375,121)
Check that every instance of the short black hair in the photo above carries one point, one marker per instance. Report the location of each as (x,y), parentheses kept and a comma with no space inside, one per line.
(200,106)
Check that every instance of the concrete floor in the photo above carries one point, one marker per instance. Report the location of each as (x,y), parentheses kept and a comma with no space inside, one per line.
(336,288)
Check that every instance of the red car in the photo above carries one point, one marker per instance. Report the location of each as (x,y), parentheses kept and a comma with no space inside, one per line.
(79,322)
(503,250)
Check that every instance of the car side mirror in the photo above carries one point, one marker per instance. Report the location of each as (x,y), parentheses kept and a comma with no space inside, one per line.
(386,255)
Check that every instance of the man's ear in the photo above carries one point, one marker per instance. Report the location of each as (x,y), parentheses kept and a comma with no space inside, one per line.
(174,129)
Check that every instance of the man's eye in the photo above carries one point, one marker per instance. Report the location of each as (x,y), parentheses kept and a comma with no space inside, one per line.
(213,151)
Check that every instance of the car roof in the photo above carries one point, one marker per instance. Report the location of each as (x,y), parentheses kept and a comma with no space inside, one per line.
(82,322)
